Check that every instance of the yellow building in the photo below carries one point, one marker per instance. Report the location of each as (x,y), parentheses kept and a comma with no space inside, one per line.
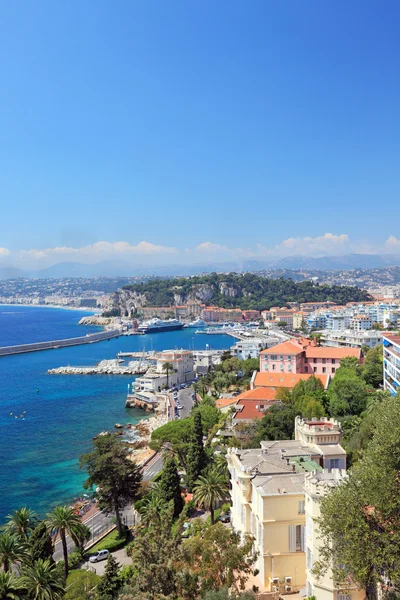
(268,502)
(316,485)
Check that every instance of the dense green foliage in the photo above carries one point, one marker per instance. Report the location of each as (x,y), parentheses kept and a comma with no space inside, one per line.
(110,468)
(247,291)
(81,585)
(41,544)
(360,517)
(110,583)
(110,542)
(196,458)
(169,486)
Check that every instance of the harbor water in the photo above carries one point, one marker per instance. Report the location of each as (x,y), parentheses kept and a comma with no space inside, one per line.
(57,415)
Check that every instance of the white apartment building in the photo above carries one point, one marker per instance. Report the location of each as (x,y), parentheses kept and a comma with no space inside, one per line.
(391,362)
(360,322)
(156,377)
(267,491)
(316,486)
(351,339)
(248,348)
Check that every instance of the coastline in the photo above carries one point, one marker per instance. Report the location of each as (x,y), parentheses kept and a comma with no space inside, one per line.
(58,306)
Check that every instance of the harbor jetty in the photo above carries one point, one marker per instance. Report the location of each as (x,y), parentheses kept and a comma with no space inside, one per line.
(90,338)
(104,367)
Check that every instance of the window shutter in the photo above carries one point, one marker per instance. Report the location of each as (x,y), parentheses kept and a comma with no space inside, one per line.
(303,538)
(292,538)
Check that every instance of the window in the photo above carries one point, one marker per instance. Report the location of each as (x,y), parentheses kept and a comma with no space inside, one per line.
(315,369)
(301,507)
(333,361)
(296,538)
(306,369)
(333,370)
(324,369)
(281,357)
(274,357)
(334,463)
(324,361)
(273,367)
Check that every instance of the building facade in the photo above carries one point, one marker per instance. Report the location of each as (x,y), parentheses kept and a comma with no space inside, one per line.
(391,362)
(268,502)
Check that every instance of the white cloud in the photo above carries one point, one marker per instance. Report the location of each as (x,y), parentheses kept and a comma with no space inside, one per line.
(328,244)
(392,244)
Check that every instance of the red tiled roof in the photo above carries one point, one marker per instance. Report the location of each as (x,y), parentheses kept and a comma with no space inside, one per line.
(288,380)
(288,347)
(329,352)
(256,394)
(251,409)
(222,402)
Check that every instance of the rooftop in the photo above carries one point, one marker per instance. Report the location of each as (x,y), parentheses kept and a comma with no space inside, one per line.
(252,409)
(328,352)
(289,347)
(288,380)
(257,394)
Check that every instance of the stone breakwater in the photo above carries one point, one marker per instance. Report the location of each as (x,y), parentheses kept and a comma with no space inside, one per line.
(105,367)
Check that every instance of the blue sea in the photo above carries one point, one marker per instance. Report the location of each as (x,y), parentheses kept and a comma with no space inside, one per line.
(61,413)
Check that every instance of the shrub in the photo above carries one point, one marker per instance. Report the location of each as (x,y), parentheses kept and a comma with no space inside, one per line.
(110,542)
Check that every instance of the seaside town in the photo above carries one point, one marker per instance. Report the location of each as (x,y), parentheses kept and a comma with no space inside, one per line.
(200,300)
(247,449)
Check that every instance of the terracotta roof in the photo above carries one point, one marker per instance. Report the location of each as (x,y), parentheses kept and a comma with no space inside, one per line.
(222,402)
(329,352)
(288,380)
(256,394)
(288,347)
(251,409)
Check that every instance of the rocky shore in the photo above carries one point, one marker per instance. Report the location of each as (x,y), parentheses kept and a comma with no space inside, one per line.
(144,429)
(104,367)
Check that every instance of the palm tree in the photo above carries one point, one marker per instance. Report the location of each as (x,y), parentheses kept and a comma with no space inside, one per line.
(10,586)
(21,522)
(168,368)
(42,581)
(80,535)
(152,510)
(11,550)
(64,521)
(209,489)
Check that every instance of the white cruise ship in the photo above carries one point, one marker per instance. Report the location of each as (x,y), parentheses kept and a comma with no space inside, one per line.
(155,325)
(196,323)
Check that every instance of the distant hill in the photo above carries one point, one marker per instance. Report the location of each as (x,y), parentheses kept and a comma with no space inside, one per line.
(232,290)
(120,268)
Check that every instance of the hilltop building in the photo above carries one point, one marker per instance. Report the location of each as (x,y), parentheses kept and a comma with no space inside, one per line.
(156,378)
(301,355)
(268,499)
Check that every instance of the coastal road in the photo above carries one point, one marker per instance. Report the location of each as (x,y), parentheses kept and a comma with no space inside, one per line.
(100,522)
(185,398)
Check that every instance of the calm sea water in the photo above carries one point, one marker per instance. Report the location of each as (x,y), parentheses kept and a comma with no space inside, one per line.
(39,454)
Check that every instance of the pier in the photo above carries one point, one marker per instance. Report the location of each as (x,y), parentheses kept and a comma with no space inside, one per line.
(87,339)
(105,367)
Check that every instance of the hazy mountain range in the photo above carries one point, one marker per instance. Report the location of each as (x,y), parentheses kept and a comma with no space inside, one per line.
(122,269)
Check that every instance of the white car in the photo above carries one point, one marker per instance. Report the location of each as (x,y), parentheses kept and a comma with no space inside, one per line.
(100,555)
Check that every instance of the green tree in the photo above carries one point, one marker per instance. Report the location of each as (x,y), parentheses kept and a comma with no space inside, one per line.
(110,468)
(152,509)
(41,544)
(80,536)
(63,521)
(21,522)
(225,594)
(42,581)
(168,368)
(210,489)
(10,587)
(360,518)
(11,550)
(347,393)
(169,486)
(349,362)
(220,558)
(277,424)
(196,458)
(81,585)
(175,435)
(154,552)
(372,367)
(110,583)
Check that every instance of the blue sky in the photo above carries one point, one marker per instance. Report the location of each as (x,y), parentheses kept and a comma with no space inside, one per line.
(188,131)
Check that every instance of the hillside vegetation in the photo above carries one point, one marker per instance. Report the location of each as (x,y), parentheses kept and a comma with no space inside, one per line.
(246,291)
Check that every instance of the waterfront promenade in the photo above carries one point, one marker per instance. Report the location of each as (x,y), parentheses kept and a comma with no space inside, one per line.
(90,338)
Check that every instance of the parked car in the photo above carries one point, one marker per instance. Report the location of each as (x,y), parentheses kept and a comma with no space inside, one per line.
(179,406)
(98,556)
(225,518)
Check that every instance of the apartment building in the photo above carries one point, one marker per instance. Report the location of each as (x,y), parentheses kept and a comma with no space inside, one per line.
(301,355)
(156,378)
(268,502)
(316,486)
(250,348)
(361,322)
(351,339)
(216,314)
(391,362)
(251,315)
